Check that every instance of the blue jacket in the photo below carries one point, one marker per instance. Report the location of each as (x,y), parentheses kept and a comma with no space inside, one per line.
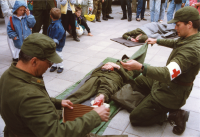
(57,33)
(22,27)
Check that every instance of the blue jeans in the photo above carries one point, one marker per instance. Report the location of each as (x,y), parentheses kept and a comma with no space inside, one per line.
(171,9)
(187,3)
(141,8)
(162,10)
(155,10)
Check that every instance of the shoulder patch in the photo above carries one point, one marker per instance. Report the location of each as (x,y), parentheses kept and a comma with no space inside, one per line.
(174,70)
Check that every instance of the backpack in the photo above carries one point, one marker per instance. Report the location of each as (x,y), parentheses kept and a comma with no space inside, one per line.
(11,23)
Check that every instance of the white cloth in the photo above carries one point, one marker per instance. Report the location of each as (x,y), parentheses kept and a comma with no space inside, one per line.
(59,65)
(14,51)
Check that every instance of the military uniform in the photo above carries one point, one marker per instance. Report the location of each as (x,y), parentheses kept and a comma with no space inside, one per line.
(106,7)
(167,90)
(134,34)
(41,12)
(25,105)
(97,8)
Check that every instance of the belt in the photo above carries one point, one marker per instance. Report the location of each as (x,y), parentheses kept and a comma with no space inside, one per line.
(182,83)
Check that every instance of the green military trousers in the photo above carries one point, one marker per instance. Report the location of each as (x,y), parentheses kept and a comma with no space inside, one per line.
(149,111)
(42,17)
(92,87)
(106,7)
(97,8)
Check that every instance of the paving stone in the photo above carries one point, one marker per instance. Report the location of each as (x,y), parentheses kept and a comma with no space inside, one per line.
(111,131)
(192,104)
(52,93)
(194,121)
(77,58)
(71,75)
(2,125)
(84,68)
(195,92)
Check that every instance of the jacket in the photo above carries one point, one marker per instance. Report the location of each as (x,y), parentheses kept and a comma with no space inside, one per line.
(43,4)
(22,27)
(7,6)
(28,111)
(69,4)
(186,54)
(85,4)
(57,33)
(193,2)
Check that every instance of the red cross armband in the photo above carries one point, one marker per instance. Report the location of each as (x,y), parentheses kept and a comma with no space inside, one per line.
(174,70)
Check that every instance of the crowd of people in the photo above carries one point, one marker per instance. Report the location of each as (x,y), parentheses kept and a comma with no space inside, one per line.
(25,105)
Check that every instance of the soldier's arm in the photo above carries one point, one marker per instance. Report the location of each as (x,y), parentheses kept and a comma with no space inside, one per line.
(128,35)
(170,43)
(39,114)
(182,63)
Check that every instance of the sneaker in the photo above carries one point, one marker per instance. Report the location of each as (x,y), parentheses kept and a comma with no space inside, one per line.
(53,69)
(60,70)
(109,17)
(77,39)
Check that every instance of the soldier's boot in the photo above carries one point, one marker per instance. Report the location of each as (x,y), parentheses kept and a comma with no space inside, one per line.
(179,119)
(104,17)
(109,17)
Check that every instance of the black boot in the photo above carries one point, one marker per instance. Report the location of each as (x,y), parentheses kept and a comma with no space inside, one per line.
(109,17)
(123,18)
(179,118)
(104,18)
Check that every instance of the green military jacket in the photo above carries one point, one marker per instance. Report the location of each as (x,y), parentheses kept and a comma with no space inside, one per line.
(134,34)
(186,53)
(28,111)
(43,4)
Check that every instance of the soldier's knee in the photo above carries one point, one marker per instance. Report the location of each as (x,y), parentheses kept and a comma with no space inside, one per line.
(135,118)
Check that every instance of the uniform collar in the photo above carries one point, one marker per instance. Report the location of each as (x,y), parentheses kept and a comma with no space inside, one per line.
(13,70)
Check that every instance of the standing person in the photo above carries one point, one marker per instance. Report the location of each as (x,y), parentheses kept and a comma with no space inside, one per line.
(6,7)
(123,6)
(20,24)
(167,88)
(140,10)
(162,10)
(97,9)
(105,9)
(85,6)
(57,33)
(30,111)
(69,18)
(41,10)
(155,10)
(196,4)
(174,4)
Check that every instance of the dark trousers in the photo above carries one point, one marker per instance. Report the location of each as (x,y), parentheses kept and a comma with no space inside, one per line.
(141,8)
(69,19)
(42,17)
(149,111)
(106,7)
(123,6)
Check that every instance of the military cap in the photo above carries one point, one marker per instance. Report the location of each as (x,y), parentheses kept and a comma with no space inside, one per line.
(40,46)
(185,14)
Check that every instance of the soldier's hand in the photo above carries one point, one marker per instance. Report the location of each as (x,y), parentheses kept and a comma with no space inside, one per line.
(103,112)
(151,41)
(99,98)
(132,65)
(67,103)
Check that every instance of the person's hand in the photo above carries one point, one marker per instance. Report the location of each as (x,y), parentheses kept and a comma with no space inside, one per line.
(27,11)
(102,0)
(107,67)
(67,103)
(182,5)
(90,8)
(103,112)
(137,38)
(151,41)
(15,38)
(89,34)
(132,65)
(197,4)
(99,98)
(134,40)
(114,65)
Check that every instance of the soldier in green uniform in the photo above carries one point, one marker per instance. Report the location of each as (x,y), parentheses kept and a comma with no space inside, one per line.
(167,88)
(25,105)
(41,11)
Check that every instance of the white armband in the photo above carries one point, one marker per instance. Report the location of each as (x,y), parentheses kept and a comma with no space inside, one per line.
(174,70)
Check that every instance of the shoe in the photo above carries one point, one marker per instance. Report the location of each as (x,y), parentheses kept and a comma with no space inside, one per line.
(53,69)
(109,17)
(137,19)
(144,19)
(60,70)
(93,21)
(98,20)
(15,60)
(104,18)
(129,19)
(123,18)
(77,39)
(179,118)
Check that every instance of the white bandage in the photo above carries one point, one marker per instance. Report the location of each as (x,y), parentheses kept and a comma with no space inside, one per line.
(174,70)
